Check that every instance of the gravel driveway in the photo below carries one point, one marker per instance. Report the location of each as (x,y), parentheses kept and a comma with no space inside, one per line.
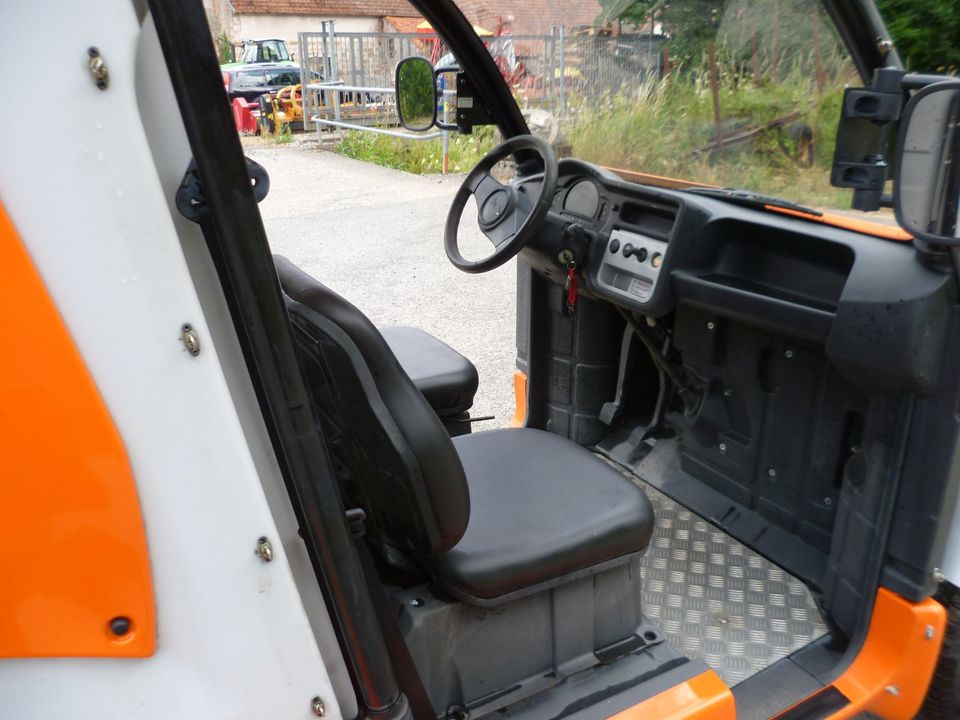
(375,235)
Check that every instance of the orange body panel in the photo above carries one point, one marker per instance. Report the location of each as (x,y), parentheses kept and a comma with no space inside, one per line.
(76,552)
(866,227)
(520,399)
(703,697)
(892,672)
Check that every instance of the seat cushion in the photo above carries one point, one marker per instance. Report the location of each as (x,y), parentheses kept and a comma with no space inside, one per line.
(543,510)
(445,377)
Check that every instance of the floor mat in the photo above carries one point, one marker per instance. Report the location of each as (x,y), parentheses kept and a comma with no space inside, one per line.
(717,600)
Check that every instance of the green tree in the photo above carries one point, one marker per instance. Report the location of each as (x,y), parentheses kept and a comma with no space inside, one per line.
(926,32)
(691,24)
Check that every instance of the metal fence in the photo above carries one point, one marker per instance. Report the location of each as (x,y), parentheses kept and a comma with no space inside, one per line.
(554,71)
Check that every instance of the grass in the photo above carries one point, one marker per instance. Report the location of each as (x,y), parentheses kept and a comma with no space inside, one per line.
(658,128)
(283,135)
(418,156)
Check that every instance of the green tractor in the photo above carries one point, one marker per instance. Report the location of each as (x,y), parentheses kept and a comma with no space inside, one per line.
(264,50)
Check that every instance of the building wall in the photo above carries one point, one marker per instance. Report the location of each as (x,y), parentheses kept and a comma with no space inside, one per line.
(240,27)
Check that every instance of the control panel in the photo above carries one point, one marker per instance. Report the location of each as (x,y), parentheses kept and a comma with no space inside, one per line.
(631,265)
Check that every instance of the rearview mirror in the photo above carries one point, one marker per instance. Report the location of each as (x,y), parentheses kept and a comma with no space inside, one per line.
(927,183)
(416,94)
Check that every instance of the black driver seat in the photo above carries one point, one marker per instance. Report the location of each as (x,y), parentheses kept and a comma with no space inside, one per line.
(490,516)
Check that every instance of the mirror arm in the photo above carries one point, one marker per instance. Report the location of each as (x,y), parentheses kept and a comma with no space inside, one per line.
(916,81)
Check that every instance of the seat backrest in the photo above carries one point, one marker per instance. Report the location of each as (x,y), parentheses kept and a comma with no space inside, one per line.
(398,454)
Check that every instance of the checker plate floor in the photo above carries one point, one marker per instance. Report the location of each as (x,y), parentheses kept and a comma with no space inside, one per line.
(716,599)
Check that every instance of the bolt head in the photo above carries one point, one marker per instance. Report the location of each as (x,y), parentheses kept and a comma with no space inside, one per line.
(929,632)
(711,326)
(190,339)
(264,549)
(788,354)
(120,626)
(316,704)
(723,447)
(772,472)
(892,690)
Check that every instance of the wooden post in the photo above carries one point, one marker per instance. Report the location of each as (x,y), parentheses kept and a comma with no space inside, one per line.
(755,58)
(774,66)
(667,67)
(715,89)
(817,59)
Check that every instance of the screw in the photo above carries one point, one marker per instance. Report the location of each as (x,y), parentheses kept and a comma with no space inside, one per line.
(711,326)
(120,626)
(884,45)
(264,549)
(892,690)
(316,704)
(929,633)
(772,472)
(828,501)
(788,354)
(723,447)
(938,576)
(417,602)
(190,339)
(728,393)
(98,68)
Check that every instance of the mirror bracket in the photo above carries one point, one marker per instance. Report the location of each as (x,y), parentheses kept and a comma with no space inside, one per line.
(470,109)
(863,138)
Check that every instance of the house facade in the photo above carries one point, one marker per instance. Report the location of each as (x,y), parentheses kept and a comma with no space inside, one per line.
(251,19)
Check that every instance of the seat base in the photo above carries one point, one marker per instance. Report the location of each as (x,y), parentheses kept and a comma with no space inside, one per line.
(485,660)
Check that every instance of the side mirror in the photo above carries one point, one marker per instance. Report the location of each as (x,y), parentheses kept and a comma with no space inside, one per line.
(416,94)
(927,183)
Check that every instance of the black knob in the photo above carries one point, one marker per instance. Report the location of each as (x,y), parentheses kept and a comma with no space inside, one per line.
(641,254)
(614,245)
(627,250)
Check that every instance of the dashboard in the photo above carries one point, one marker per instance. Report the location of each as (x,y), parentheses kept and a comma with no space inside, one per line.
(621,232)
(648,249)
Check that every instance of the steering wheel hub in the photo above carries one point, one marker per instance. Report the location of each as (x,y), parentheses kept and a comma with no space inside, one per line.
(495,208)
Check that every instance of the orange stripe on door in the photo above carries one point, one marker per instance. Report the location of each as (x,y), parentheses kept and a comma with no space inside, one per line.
(75,577)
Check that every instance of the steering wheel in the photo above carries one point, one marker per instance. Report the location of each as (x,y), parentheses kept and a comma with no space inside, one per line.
(508,217)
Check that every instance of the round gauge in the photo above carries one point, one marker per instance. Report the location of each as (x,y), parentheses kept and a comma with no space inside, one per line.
(582,199)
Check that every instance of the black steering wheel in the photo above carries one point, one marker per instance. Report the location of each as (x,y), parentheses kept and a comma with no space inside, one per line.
(507,216)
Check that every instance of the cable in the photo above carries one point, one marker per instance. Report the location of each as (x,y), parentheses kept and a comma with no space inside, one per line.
(690,397)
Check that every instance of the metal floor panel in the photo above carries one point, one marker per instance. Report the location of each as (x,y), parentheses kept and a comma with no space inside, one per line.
(716,599)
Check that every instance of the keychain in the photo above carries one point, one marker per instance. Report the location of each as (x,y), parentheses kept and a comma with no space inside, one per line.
(571,287)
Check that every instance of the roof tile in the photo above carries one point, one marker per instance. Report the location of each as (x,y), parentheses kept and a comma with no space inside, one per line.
(350,8)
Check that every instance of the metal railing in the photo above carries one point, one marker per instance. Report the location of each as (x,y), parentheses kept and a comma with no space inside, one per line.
(365,113)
